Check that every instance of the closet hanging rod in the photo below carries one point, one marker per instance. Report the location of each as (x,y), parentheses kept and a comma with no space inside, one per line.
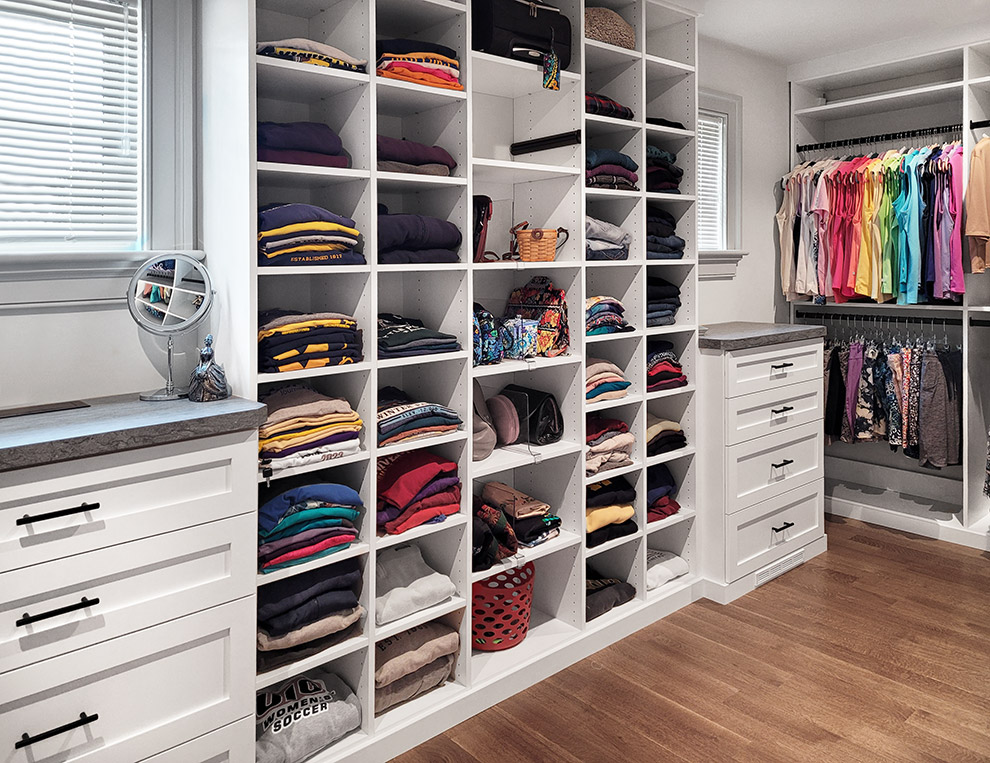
(978,124)
(979,322)
(881,137)
(882,319)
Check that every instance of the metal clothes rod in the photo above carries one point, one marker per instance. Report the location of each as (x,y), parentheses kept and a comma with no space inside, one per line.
(884,137)
(883,319)
(976,124)
(978,322)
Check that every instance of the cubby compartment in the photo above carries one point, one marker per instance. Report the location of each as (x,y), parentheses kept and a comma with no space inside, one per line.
(685,226)
(672,97)
(443,384)
(556,616)
(979,61)
(348,112)
(679,539)
(685,347)
(683,470)
(345,24)
(679,408)
(670,34)
(426,121)
(631,359)
(418,195)
(634,415)
(327,291)
(625,285)
(438,299)
(625,562)
(627,213)
(683,277)
(631,12)
(685,161)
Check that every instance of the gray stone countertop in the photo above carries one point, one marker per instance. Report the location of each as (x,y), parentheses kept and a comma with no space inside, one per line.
(740,335)
(118,423)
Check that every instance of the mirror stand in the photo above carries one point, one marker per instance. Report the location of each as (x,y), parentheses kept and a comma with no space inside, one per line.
(169,391)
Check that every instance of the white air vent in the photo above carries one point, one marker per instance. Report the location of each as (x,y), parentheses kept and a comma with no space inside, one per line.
(777,569)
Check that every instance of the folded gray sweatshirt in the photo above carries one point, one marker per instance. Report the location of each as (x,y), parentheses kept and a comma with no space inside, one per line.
(406,584)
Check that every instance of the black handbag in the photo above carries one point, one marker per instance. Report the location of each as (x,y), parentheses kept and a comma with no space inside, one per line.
(540,420)
(522,29)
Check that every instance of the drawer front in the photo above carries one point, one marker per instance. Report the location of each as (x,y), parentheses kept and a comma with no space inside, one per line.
(761,368)
(774,410)
(768,466)
(83,505)
(143,693)
(126,588)
(771,530)
(231,744)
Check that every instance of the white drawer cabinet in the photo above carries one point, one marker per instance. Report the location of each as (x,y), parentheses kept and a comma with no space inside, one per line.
(70,603)
(761,534)
(55,511)
(131,697)
(768,466)
(231,744)
(761,480)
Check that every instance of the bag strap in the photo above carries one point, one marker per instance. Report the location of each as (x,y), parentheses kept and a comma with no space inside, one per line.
(481,405)
(562,241)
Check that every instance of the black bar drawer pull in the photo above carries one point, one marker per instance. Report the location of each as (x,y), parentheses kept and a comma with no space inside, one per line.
(81,508)
(782,464)
(27,739)
(82,604)
(783,527)
(781,366)
(778,411)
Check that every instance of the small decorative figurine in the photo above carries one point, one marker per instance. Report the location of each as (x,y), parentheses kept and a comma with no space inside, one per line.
(208,381)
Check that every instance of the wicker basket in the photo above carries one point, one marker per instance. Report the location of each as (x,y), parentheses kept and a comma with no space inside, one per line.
(501,606)
(537,244)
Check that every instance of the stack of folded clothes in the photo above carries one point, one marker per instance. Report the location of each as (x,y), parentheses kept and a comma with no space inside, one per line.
(663,436)
(662,567)
(603,593)
(424,63)
(661,242)
(663,368)
(610,444)
(605,315)
(401,419)
(405,584)
(663,299)
(416,158)
(604,381)
(304,614)
(411,663)
(661,490)
(414,488)
(294,341)
(400,337)
(531,519)
(662,175)
(306,523)
(311,143)
(404,239)
(303,234)
(595,103)
(605,241)
(311,52)
(303,715)
(305,427)
(606,168)
(609,511)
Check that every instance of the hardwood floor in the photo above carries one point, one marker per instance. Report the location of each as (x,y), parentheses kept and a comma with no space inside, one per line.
(878,650)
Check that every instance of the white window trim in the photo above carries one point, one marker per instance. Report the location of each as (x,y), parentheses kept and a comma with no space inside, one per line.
(730,105)
(170,74)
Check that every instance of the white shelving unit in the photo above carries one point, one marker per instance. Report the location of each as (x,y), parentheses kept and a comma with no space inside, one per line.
(941,88)
(503,102)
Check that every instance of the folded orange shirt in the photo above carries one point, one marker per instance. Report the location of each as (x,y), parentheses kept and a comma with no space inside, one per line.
(420,78)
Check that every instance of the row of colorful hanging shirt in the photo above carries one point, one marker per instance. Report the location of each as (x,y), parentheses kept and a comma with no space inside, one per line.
(907,393)
(887,227)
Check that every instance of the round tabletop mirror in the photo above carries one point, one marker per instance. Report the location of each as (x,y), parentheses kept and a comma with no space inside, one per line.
(169,295)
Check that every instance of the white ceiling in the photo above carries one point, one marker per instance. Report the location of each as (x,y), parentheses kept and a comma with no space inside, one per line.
(793,31)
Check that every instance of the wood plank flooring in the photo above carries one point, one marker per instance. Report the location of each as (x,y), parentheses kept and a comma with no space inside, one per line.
(877,650)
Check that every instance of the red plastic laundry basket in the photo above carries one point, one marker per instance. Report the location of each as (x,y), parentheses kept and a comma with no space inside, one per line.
(500,606)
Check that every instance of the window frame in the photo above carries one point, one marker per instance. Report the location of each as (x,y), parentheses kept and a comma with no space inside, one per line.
(170,187)
(730,106)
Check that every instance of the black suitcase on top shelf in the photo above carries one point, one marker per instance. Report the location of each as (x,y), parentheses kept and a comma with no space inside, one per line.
(520,29)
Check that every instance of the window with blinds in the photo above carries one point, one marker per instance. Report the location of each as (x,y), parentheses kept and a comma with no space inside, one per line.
(712,180)
(71,125)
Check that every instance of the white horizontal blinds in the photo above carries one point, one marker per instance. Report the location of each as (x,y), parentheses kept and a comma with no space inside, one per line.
(71,112)
(712,171)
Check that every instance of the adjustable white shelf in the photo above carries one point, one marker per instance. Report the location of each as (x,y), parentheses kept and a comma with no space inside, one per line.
(290,80)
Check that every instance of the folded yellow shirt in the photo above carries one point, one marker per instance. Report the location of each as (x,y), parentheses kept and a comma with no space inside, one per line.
(290,425)
(307,228)
(595,519)
(291,440)
(298,328)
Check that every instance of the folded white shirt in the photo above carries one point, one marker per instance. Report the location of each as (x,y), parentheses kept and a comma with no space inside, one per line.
(662,567)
